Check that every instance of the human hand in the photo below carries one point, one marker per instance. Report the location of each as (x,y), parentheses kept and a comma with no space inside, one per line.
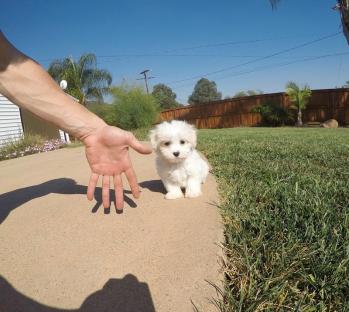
(107,154)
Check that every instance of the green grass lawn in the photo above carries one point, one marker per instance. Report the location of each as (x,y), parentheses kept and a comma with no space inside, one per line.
(285,207)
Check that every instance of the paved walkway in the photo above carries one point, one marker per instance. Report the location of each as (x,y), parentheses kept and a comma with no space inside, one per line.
(60,252)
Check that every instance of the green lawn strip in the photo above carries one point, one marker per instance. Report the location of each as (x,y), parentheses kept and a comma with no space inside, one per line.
(285,208)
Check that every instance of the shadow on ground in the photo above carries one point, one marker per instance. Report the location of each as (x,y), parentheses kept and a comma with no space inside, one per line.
(117,295)
(13,199)
(154,186)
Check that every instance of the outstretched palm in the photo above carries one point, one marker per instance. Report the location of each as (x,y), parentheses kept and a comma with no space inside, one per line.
(107,155)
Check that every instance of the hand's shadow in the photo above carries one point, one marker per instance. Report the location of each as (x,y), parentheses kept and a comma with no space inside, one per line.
(154,186)
(117,295)
(13,199)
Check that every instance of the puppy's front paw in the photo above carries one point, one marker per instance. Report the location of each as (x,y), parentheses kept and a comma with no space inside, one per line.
(193,193)
(174,195)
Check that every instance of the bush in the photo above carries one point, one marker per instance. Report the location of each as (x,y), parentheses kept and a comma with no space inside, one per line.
(132,108)
(29,144)
(273,114)
(104,111)
(142,134)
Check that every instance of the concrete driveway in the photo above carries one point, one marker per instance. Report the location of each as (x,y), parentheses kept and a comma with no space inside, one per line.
(60,252)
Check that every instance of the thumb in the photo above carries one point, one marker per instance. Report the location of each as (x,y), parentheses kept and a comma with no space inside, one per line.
(138,146)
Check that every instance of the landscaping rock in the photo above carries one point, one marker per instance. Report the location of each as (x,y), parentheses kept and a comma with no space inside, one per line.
(331,123)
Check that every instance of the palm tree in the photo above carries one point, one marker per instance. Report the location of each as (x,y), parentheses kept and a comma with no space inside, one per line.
(299,97)
(342,6)
(85,81)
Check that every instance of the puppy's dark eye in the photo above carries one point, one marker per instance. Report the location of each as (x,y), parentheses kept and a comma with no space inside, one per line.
(167,143)
(182,142)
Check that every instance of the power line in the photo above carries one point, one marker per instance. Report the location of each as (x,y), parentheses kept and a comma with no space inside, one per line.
(182,49)
(226,43)
(166,52)
(199,55)
(258,59)
(113,57)
(221,44)
(261,68)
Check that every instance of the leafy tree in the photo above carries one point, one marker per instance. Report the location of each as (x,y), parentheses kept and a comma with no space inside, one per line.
(248,93)
(204,91)
(132,108)
(299,97)
(346,84)
(254,92)
(240,94)
(165,97)
(273,114)
(85,81)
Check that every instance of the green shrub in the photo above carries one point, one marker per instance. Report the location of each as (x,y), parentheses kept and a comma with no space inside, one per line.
(104,111)
(132,108)
(273,114)
(142,134)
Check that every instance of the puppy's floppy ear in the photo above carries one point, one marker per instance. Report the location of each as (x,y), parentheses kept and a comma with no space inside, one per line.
(153,138)
(191,135)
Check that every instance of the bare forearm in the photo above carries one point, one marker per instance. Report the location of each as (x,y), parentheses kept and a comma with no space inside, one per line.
(28,85)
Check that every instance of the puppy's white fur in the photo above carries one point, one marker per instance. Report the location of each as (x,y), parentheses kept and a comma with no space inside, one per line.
(178,163)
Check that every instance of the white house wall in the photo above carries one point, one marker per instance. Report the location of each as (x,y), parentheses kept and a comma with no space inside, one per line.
(10,121)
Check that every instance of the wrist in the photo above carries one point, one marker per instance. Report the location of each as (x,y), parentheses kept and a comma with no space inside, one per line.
(91,128)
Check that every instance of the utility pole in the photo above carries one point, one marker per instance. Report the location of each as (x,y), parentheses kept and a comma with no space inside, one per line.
(144,72)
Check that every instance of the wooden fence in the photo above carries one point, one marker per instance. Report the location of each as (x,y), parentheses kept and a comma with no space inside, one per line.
(236,112)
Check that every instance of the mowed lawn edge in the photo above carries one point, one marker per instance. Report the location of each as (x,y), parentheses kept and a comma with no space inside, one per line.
(285,208)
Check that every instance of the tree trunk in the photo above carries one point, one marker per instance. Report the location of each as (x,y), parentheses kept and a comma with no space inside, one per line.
(299,118)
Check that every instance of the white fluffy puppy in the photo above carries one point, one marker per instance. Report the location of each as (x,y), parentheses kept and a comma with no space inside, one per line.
(178,163)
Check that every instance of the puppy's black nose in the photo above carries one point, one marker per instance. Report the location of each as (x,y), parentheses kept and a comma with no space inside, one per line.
(176,154)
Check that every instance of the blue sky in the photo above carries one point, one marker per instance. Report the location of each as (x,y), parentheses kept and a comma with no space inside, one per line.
(174,39)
